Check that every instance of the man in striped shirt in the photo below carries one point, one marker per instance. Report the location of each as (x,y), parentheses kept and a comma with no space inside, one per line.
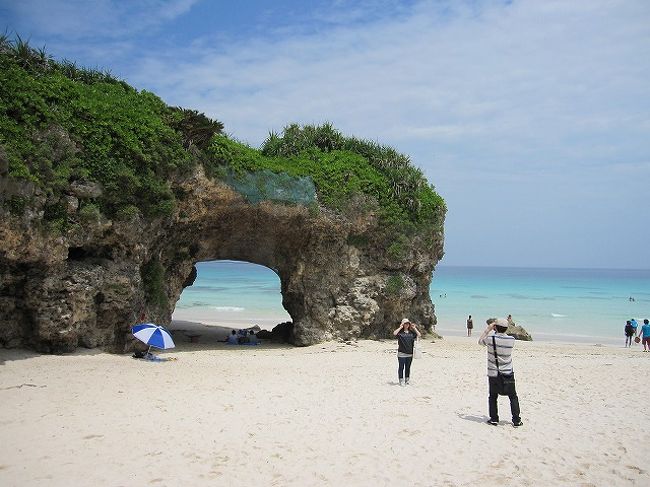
(501,364)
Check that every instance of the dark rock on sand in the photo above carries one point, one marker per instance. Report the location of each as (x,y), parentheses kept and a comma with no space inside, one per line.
(514,330)
(280,333)
(519,332)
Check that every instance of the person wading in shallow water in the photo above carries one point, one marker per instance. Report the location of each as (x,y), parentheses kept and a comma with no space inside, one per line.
(645,335)
(406,335)
(629,334)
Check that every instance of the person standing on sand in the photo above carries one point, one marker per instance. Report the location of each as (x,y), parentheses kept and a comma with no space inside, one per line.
(634,324)
(645,335)
(470,325)
(499,362)
(406,335)
(629,333)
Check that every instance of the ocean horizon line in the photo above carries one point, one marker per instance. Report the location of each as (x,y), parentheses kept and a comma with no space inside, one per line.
(472,266)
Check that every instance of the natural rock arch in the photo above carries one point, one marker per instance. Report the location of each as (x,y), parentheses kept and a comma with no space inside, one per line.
(88,288)
(332,285)
(108,197)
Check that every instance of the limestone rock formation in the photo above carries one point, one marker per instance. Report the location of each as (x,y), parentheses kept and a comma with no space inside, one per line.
(519,332)
(514,330)
(109,197)
(89,285)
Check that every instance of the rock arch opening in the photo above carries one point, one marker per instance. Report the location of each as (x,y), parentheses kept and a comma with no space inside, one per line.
(232,294)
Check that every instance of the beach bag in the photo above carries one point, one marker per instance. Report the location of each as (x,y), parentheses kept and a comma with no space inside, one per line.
(417,352)
(505,382)
(637,339)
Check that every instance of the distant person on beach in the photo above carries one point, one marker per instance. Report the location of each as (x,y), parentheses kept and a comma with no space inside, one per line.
(629,333)
(470,326)
(242,336)
(252,338)
(501,376)
(511,322)
(406,335)
(645,335)
(635,325)
(232,338)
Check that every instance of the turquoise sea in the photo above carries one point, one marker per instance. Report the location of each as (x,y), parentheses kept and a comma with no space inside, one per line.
(572,305)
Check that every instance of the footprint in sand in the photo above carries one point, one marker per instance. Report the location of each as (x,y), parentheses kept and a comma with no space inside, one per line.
(90,437)
(221,460)
(408,432)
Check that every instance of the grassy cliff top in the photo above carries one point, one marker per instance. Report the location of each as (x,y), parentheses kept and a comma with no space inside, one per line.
(61,124)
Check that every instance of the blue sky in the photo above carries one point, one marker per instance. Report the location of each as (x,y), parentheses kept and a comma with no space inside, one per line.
(531,118)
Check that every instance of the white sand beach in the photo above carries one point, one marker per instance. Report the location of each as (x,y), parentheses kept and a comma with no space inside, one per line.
(330,414)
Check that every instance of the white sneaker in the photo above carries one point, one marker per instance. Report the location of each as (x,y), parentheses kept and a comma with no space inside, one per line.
(407,381)
(401,382)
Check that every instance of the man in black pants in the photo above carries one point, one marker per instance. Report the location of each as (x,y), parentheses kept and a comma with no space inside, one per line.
(499,355)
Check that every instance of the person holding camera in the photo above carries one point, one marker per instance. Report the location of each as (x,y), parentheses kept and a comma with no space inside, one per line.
(501,377)
(406,335)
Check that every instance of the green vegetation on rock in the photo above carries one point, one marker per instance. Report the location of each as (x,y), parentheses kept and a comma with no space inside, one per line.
(61,125)
(153,278)
(341,167)
(394,285)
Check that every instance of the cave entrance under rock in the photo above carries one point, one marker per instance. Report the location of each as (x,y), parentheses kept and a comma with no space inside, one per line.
(230,294)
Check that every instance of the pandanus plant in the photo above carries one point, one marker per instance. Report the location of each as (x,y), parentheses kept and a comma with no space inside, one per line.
(405,180)
(197,129)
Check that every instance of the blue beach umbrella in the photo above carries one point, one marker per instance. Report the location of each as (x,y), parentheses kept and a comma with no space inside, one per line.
(153,335)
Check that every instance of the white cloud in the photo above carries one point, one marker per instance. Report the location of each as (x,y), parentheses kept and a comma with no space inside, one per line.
(530,70)
(99,19)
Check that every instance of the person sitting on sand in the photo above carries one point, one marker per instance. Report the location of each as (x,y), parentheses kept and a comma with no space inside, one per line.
(629,333)
(470,326)
(645,335)
(499,357)
(242,337)
(406,335)
(232,338)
